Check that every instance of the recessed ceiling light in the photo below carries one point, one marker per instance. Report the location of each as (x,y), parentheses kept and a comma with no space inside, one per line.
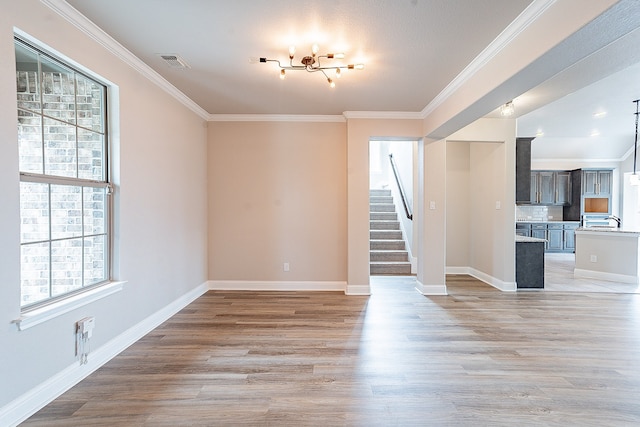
(595,132)
(599,114)
(539,134)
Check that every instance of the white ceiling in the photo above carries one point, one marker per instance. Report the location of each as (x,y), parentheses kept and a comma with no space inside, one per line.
(412,49)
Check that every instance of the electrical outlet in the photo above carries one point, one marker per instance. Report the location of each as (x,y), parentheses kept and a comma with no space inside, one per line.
(594,258)
(285,267)
(86,325)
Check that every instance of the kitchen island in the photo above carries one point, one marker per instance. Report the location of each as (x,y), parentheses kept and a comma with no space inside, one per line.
(529,262)
(607,253)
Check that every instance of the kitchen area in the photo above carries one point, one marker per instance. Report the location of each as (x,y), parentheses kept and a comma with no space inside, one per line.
(567,215)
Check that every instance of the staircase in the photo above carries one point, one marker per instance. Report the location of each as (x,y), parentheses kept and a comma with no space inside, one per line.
(388,254)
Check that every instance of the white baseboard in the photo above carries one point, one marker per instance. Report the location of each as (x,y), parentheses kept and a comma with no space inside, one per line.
(490,280)
(600,275)
(435,289)
(358,290)
(251,285)
(35,399)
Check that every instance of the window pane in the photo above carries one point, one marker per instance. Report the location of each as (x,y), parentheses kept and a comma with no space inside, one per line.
(94,211)
(34,272)
(66,266)
(28,87)
(90,155)
(60,148)
(66,211)
(95,260)
(34,212)
(58,91)
(30,142)
(90,103)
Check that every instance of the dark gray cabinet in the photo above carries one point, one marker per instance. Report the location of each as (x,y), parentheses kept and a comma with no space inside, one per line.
(555,237)
(563,188)
(596,182)
(569,231)
(523,170)
(550,187)
(559,236)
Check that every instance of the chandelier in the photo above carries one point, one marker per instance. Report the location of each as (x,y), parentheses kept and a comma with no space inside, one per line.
(312,64)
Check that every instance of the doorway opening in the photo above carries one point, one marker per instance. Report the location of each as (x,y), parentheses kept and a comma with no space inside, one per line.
(392,183)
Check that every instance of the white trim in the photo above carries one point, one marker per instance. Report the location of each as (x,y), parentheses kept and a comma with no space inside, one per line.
(431,289)
(483,277)
(457,270)
(493,281)
(577,161)
(355,290)
(256,285)
(275,118)
(600,275)
(90,29)
(29,319)
(395,115)
(526,18)
(29,403)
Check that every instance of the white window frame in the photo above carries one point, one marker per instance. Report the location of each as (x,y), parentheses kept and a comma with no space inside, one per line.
(40,311)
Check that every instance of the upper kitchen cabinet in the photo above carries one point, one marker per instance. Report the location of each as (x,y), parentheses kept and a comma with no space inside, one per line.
(523,170)
(550,188)
(596,182)
(542,188)
(591,194)
(563,187)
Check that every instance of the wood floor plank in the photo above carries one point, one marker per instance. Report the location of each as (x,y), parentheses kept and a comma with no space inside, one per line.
(475,357)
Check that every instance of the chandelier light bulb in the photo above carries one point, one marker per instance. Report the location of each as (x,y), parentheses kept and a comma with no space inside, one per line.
(292,51)
(338,73)
(282,74)
(331,82)
(314,49)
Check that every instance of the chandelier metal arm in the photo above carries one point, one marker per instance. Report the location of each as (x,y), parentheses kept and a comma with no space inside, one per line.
(312,64)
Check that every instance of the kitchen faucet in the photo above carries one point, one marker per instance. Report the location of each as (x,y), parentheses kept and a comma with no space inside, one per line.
(616,219)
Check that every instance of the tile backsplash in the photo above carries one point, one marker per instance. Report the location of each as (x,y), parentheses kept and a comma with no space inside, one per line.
(538,213)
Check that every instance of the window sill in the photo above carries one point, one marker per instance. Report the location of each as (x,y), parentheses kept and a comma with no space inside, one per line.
(42,314)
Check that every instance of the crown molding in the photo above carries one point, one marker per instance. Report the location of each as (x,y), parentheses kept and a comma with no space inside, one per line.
(576,160)
(275,118)
(393,115)
(524,20)
(81,22)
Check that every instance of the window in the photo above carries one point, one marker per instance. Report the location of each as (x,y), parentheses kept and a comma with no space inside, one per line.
(64,181)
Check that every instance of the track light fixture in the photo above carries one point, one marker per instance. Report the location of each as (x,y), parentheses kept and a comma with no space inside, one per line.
(311,63)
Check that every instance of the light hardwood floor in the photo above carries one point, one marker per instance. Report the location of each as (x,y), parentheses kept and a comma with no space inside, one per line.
(477,357)
(559,277)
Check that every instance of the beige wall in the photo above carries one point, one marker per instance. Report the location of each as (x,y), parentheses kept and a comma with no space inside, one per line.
(277,193)
(161,222)
(491,200)
(459,207)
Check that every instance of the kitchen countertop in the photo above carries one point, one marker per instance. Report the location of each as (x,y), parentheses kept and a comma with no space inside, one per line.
(616,230)
(525,239)
(528,221)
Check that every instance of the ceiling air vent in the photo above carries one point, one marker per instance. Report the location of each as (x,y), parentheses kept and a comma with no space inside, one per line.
(174,61)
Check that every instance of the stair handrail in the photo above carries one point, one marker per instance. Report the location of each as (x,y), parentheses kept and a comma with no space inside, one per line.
(400,188)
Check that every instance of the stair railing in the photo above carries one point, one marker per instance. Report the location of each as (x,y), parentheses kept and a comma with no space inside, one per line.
(400,188)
